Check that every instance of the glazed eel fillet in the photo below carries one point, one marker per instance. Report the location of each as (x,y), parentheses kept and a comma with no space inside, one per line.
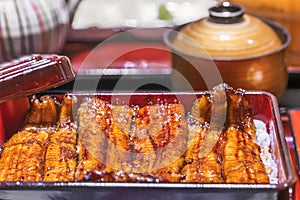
(92,141)
(128,143)
(202,168)
(61,156)
(235,157)
(103,141)
(241,156)
(159,140)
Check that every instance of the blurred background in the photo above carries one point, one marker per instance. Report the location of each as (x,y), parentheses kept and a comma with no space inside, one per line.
(74,27)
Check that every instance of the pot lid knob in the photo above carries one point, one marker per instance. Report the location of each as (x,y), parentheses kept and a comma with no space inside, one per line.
(226,13)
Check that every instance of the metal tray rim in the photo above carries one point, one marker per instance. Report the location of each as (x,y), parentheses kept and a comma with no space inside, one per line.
(288,183)
(140,185)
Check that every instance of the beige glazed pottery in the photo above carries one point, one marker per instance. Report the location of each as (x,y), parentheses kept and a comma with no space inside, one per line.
(284,12)
(232,47)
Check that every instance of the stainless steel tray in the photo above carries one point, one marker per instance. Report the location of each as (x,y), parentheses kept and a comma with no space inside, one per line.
(265,108)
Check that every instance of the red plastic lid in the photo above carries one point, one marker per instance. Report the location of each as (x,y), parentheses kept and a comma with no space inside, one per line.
(33,74)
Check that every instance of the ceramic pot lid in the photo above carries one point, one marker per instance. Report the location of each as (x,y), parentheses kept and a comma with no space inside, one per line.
(227,33)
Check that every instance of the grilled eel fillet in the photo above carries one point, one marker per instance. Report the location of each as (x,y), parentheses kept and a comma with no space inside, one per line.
(170,143)
(103,141)
(61,156)
(204,169)
(129,140)
(241,156)
(22,158)
(235,157)
(92,141)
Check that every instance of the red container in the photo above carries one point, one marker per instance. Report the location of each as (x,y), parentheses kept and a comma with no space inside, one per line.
(265,108)
(294,115)
(12,116)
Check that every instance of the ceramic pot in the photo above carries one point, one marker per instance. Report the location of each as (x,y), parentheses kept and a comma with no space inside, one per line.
(232,47)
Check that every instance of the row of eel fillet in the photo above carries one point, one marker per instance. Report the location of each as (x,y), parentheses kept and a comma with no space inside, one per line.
(130,143)
(212,143)
(44,149)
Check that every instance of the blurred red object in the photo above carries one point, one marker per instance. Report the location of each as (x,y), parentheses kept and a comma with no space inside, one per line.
(12,116)
(295,119)
(2,131)
(143,56)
